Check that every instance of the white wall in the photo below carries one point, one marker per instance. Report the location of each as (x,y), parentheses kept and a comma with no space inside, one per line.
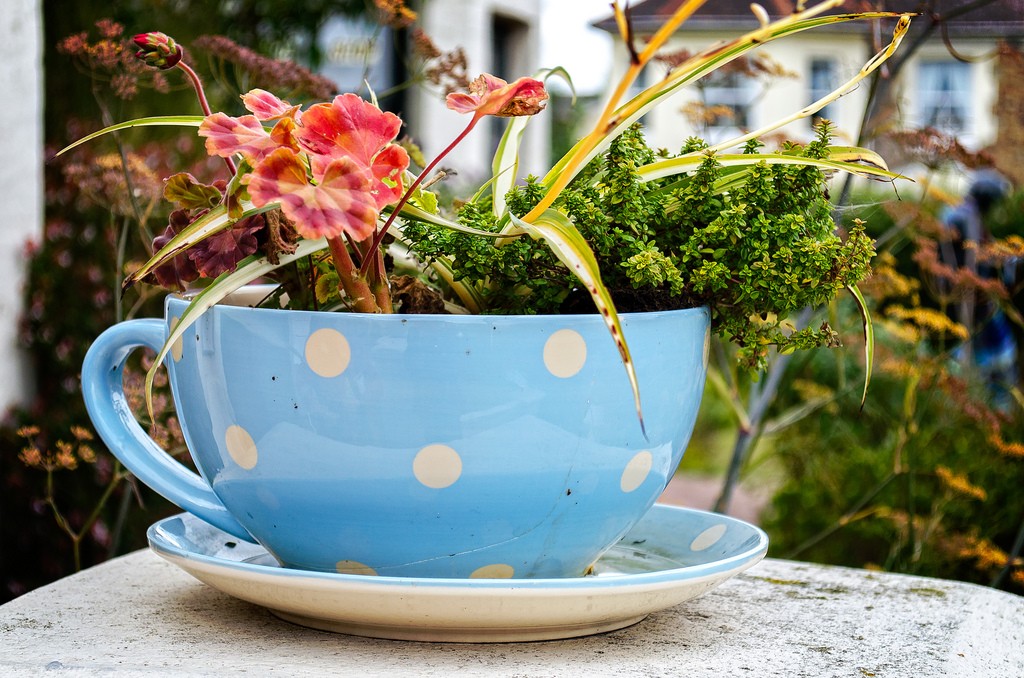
(468,24)
(667,127)
(21,118)
(984,85)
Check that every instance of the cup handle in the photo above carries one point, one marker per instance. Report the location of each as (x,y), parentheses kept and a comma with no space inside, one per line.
(103,391)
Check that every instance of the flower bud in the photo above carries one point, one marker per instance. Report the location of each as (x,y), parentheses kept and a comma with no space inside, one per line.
(158,50)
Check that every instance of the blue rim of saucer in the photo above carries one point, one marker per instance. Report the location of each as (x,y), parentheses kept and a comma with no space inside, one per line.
(668,544)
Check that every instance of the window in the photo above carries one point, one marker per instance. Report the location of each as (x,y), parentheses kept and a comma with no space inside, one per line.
(356,50)
(510,39)
(944,96)
(728,104)
(823,79)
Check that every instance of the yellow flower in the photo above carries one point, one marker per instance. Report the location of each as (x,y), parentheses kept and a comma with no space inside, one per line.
(31,457)
(1009,449)
(928,319)
(958,482)
(65,456)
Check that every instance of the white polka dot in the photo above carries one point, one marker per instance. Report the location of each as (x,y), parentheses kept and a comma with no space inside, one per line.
(241,446)
(707,538)
(327,352)
(178,346)
(355,567)
(565,352)
(437,466)
(636,471)
(495,571)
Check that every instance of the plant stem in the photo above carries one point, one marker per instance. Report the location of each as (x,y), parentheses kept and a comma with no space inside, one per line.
(140,219)
(607,118)
(352,281)
(379,282)
(762,396)
(847,518)
(122,516)
(62,522)
(1018,545)
(197,85)
(379,238)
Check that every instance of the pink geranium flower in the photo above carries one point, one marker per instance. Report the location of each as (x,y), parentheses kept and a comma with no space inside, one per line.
(349,127)
(267,106)
(332,168)
(490,95)
(341,202)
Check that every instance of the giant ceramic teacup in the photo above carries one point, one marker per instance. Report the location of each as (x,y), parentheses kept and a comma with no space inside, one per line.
(413,445)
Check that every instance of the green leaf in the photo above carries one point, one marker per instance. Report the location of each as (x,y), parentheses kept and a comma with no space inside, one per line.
(569,245)
(185,191)
(162,120)
(235,193)
(249,269)
(211,223)
(869,339)
(505,165)
(424,199)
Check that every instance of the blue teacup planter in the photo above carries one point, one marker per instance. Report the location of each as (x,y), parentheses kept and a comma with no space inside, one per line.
(413,445)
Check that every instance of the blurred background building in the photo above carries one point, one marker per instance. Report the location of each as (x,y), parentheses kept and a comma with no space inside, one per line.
(21,175)
(956,76)
(959,71)
(947,79)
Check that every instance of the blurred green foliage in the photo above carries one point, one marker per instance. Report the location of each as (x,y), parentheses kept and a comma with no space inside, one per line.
(72,292)
(926,479)
(755,254)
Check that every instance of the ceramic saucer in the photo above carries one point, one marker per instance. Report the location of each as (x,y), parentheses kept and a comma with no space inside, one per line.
(672,555)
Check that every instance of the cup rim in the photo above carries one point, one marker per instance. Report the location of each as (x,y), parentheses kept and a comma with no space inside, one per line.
(243,298)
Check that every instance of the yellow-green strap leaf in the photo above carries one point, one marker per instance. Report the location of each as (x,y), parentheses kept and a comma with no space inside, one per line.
(211,223)
(689,163)
(571,248)
(161,120)
(869,338)
(505,165)
(248,269)
(696,67)
(417,214)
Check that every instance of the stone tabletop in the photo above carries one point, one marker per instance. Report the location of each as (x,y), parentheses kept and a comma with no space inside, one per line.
(141,616)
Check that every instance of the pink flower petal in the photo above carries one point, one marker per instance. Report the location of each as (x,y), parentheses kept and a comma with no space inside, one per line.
(387,171)
(460,102)
(347,127)
(226,136)
(266,106)
(283,134)
(485,83)
(340,203)
(490,95)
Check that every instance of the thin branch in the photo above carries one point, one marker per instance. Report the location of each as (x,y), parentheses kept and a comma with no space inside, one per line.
(1018,546)
(846,519)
